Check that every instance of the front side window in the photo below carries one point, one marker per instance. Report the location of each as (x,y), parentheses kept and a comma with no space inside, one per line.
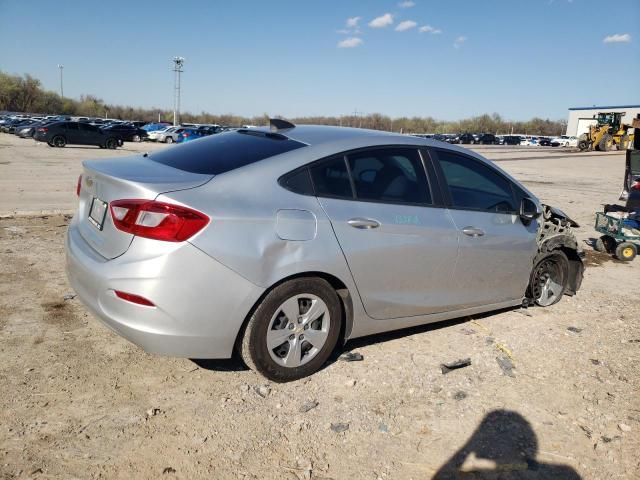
(474,185)
(392,175)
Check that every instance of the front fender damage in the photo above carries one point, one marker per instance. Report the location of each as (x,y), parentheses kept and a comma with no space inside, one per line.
(555,232)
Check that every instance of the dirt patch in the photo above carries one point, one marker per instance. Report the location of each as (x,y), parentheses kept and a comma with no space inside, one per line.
(594,258)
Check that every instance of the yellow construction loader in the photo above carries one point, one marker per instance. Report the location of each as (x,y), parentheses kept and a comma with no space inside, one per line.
(608,133)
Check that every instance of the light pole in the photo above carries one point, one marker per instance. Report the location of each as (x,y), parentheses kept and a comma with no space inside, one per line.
(178,62)
(60,66)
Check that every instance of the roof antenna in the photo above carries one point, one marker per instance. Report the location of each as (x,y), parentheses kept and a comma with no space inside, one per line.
(278,124)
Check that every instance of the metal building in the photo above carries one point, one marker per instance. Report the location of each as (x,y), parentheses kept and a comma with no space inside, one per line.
(581,117)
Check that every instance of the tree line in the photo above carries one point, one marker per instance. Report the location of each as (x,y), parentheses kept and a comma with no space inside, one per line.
(24,93)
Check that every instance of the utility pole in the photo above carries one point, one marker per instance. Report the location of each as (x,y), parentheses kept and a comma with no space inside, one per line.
(356,114)
(178,62)
(60,66)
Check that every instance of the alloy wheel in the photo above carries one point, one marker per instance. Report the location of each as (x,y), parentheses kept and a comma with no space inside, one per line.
(548,282)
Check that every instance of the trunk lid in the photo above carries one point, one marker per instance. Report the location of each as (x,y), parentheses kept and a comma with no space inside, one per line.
(136,177)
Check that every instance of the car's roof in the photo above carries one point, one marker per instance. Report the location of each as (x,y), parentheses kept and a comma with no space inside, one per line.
(320,134)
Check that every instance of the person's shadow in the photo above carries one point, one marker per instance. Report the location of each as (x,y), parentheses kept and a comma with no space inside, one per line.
(503,447)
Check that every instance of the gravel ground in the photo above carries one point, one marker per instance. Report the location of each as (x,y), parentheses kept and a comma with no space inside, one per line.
(550,393)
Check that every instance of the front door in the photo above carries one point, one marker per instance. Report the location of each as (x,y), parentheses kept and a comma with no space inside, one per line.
(400,247)
(496,248)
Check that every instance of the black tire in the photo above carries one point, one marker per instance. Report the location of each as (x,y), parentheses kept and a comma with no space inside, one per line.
(59,141)
(626,251)
(168,140)
(111,143)
(606,244)
(605,143)
(549,278)
(253,347)
(50,144)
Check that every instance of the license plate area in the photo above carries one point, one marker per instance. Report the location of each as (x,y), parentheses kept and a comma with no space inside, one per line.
(97,213)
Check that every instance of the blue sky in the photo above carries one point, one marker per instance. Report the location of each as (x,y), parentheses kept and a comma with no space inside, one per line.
(520,58)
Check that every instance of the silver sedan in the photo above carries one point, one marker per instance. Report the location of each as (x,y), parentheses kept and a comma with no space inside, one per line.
(281,244)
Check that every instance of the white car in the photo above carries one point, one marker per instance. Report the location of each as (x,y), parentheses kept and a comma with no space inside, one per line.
(529,141)
(564,141)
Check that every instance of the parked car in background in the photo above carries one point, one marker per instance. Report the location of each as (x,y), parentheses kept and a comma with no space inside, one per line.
(512,140)
(210,129)
(189,134)
(155,234)
(152,135)
(487,139)
(466,139)
(27,131)
(564,141)
(126,132)
(500,139)
(544,142)
(170,135)
(60,134)
(529,141)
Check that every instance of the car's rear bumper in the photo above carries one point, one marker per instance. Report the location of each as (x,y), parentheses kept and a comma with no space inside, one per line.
(200,303)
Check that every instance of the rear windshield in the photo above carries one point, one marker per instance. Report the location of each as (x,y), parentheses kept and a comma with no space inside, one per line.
(223,152)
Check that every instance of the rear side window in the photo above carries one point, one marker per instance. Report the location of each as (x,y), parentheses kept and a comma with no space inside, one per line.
(389,175)
(224,152)
(331,179)
(71,126)
(474,185)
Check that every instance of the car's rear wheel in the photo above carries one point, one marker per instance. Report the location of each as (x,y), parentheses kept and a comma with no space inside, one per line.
(59,141)
(111,143)
(293,330)
(168,140)
(549,278)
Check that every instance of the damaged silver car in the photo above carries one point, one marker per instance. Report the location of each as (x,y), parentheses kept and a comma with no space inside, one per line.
(282,243)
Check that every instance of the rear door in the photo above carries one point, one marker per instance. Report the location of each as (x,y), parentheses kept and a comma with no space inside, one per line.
(72,133)
(401,247)
(496,248)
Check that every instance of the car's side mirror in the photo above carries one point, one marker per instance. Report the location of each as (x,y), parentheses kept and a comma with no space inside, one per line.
(529,210)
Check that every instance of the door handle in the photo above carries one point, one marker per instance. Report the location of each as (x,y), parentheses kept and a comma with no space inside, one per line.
(473,231)
(363,223)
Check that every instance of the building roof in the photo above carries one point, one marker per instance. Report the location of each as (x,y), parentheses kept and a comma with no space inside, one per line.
(605,107)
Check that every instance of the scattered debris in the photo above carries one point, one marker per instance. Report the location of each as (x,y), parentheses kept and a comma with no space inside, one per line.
(262,390)
(524,311)
(383,428)
(168,470)
(477,323)
(595,361)
(339,427)
(624,427)
(350,383)
(467,331)
(574,329)
(506,365)
(587,431)
(69,296)
(351,357)
(309,405)
(460,395)
(152,412)
(504,349)
(447,367)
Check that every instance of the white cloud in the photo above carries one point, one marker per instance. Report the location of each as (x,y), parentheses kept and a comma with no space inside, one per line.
(350,42)
(406,25)
(353,22)
(429,29)
(459,41)
(617,38)
(381,21)
(407,4)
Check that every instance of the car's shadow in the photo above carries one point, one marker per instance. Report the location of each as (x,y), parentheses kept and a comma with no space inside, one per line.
(235,364)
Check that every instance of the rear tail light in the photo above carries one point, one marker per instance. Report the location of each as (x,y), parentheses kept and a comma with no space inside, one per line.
(43,129)
(157,220)
(79,186)
(130,297)
(636,185)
